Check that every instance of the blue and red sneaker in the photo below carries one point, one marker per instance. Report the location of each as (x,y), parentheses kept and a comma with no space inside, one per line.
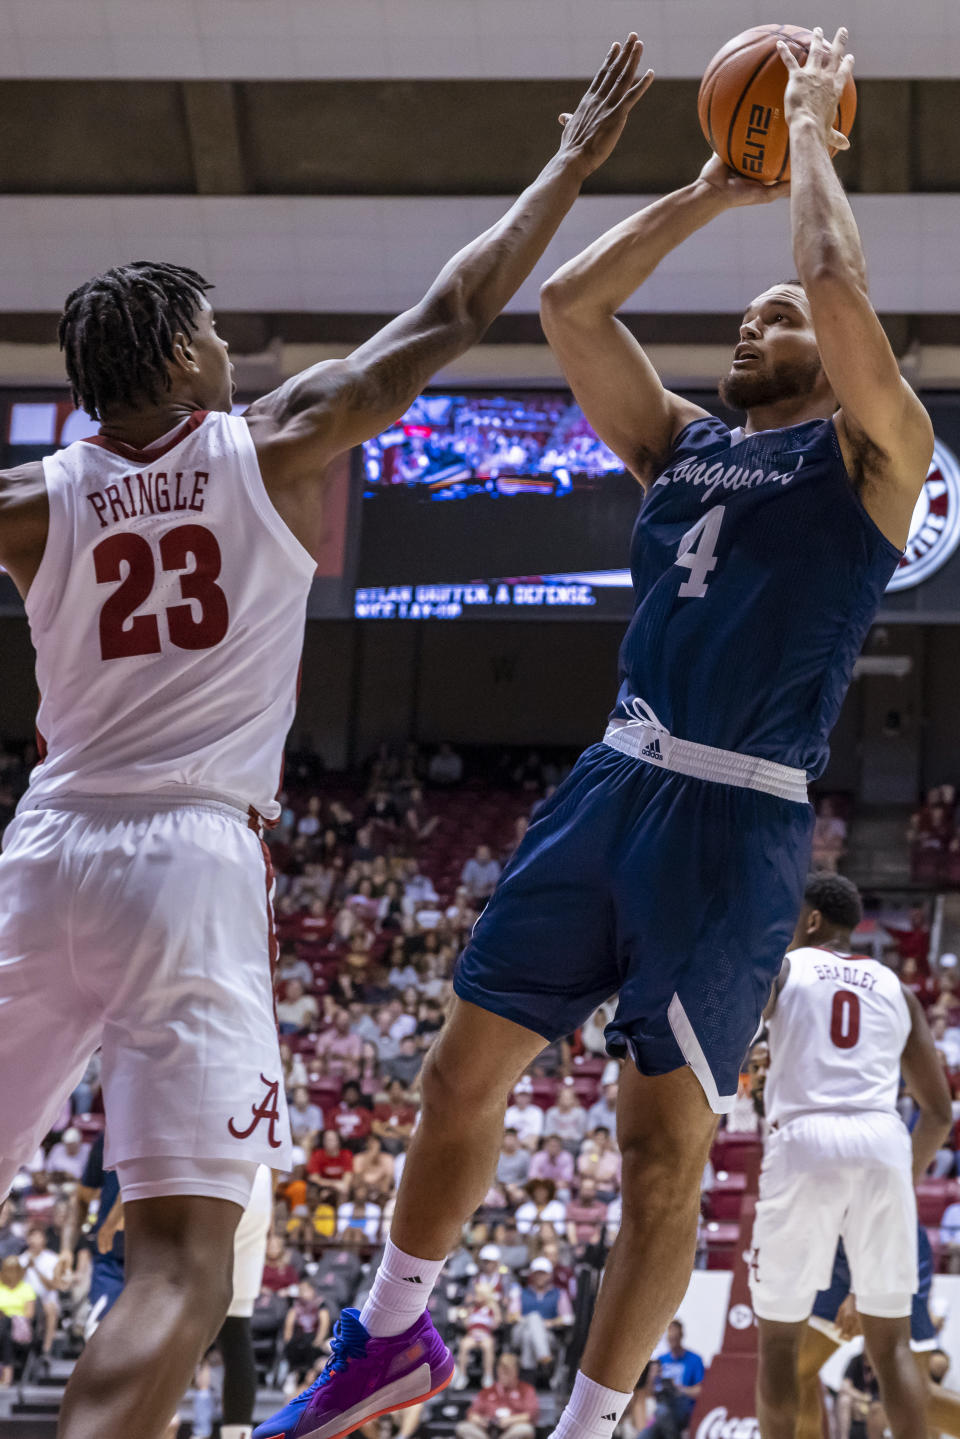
(364,1378)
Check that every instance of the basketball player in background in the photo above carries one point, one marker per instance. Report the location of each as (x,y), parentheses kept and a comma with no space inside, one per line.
(165,566)
(759,560)
(838,1162)
(834,1320)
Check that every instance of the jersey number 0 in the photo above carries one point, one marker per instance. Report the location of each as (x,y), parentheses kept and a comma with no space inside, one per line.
(141,636)
(845,1019)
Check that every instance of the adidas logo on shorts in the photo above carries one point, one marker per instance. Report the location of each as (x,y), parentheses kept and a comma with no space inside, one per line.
(652,750)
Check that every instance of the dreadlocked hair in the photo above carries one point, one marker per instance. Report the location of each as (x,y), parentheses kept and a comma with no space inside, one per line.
(117,330)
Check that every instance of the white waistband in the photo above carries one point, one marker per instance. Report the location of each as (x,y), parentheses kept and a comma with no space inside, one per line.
(151,802)
(663,750)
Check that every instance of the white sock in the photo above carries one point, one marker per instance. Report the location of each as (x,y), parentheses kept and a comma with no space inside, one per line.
(236,1431)
(592,1412)
(400,1292)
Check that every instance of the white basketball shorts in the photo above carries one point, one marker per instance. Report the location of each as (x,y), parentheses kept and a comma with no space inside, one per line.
(145,928)
(250,1246)
(827,1177)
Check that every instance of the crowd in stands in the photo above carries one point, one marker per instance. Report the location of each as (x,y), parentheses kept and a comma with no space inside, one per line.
(934,839)
(379,881)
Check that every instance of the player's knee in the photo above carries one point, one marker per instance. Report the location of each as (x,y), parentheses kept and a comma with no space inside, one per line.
(451,1086)
(658,1185)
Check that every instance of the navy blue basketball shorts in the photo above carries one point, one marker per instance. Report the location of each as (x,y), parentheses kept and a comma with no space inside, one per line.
(923,1332)
(677,893)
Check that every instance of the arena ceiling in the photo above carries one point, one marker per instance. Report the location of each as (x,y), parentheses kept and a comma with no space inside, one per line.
(320,159)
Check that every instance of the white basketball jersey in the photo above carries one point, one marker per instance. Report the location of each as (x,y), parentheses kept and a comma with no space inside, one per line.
(167,616)
(836,1037)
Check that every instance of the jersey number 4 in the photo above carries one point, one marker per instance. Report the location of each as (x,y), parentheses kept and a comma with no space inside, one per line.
(124,633)
(845,1019)
(698,553)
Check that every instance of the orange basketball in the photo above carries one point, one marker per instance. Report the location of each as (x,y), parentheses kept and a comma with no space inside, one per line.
(740,103)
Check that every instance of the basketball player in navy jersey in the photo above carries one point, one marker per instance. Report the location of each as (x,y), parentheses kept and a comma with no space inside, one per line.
(134,911)
(670,865)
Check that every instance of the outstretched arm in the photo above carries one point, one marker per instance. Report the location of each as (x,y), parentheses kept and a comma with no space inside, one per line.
(884,431)
(612,378)
(327,409)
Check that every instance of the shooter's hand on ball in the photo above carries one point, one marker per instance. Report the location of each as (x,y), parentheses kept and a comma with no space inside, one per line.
(736,189)
(594,128)
(814,89)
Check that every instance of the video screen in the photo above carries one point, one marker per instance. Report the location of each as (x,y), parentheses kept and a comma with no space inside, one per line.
(494,504)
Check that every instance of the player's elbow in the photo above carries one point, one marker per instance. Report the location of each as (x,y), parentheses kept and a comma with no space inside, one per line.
(941,1114)
(562,297)
(458,314)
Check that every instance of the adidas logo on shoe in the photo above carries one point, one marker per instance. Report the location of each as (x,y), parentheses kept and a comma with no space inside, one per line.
(412,1279)
(652,751)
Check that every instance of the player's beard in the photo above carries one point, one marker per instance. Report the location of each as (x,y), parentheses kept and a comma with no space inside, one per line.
(750,389)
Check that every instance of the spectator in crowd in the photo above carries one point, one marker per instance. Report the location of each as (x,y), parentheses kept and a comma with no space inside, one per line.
(858,1411)
(445,767)
(394,1118)
(375,1168)
(950,1237)
(418,825)
(491,1273)
(567,1118)
(67,1160)
(310,822)
(915,940)
(339,1048)
(332,1162)
(524,1116)
(297,1011)
(306,1118)
(540,1313)
(290,967)
(480,874)
(600,1159)
(602,1114)
(555,1163)
(351,1117)
(11,1231)
(18,1307)
(513,1167)
(507,1409)
(829,838)
(359,1213)
(481,1316)
(42,1271)
(676,1378)
(541,1207)
(946,1040)
(407,1062)
(418,890)
(592,1032)
(586,1214)
(305,1331)
(280,1274)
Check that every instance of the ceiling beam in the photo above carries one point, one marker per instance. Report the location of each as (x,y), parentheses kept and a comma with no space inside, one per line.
(214,136)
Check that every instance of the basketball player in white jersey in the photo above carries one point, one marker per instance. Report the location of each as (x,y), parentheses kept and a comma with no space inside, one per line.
(165,566)
(839,1163)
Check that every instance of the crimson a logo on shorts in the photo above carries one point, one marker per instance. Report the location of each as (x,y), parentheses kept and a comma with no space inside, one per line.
(267,1111)
(935,527)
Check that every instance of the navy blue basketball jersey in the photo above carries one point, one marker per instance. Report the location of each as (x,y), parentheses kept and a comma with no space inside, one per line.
(757,573)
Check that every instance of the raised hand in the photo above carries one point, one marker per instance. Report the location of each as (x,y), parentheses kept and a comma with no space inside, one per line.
(592,131)
(814,89)
(736,189)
